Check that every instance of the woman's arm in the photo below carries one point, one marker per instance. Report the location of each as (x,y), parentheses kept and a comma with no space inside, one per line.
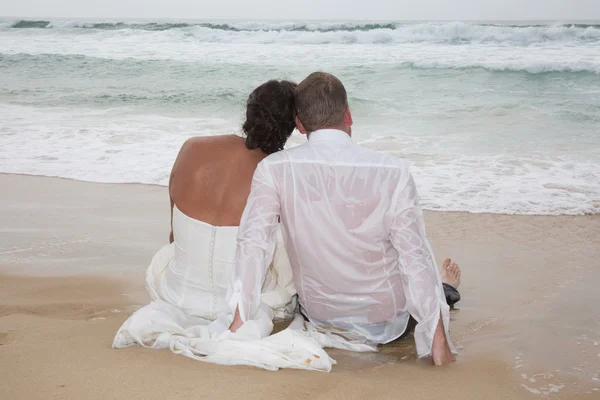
(171,239)
(180,155)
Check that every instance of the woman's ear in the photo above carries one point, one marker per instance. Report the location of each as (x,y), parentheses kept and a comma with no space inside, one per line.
(300,126)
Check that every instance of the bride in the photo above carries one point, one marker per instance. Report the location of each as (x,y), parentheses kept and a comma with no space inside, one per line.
(209,185)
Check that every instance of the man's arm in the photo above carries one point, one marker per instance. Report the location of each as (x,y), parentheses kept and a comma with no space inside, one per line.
(420,276)
(257,237)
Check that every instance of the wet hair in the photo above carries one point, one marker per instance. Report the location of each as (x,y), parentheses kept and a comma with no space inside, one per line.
(321,101)
(270,116)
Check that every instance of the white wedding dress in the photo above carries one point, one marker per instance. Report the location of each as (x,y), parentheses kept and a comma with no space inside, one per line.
(188,282)
(194,272)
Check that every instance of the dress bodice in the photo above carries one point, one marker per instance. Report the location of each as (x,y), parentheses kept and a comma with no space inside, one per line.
(198,273)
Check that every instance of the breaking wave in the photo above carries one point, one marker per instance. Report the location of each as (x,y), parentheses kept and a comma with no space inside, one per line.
(391,32)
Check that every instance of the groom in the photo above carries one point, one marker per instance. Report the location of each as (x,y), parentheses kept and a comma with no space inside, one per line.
(353,230)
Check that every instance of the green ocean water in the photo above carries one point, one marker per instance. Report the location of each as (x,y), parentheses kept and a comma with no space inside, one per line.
(495,117)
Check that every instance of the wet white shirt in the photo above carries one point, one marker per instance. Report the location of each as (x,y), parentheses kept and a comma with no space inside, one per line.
(355,236)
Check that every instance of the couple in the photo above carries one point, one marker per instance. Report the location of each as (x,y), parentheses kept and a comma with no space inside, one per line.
(338,224)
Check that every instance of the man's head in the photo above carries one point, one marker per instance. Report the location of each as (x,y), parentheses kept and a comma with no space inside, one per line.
(322,103)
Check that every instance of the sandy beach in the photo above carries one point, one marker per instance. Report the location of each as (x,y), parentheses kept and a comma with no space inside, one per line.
(72,263)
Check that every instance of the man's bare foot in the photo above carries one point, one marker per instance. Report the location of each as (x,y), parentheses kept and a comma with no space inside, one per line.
(450,273)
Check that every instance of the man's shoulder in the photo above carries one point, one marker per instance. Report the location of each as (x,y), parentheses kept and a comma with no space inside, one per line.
(286,155)
(380,159)
(356,155)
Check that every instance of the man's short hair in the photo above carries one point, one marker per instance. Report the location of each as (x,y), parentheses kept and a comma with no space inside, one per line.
(321,101)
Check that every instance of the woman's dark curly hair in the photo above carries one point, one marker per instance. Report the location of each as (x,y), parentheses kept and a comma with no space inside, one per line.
(270,116)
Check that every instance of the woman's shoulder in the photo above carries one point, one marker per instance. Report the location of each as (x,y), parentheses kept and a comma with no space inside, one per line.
(216,150)
(210,145)
(203,141)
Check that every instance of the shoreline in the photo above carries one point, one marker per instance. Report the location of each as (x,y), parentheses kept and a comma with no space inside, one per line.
(426,210)
(73,257)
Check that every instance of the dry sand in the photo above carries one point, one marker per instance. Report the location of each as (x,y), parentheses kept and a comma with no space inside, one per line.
(72,263)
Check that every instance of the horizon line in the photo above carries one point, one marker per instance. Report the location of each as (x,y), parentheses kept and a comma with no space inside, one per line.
(43,18)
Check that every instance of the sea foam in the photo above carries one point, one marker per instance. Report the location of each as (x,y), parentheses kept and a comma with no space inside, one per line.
(343,32)
(495,118)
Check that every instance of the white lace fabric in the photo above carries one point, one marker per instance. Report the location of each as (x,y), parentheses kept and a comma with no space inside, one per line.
(355,236)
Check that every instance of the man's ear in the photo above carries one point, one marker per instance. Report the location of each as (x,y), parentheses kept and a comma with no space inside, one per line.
(300,126)
(348,117)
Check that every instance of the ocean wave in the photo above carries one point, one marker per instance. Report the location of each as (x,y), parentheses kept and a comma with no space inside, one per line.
(114,145)
(340,32)
(85,65)
(235,27)
(531,67)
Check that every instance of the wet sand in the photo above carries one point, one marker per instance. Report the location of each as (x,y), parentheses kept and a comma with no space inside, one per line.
(72,264)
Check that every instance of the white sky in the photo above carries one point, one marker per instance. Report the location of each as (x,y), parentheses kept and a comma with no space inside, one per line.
(308,9)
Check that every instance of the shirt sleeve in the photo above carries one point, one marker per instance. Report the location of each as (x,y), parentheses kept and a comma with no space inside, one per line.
(257,236)
(421,279)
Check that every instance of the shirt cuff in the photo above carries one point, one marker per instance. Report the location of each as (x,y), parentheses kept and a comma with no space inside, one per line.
(425,331)
(235,300)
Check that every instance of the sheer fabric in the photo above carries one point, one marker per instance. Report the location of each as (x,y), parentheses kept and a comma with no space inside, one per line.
(355,235)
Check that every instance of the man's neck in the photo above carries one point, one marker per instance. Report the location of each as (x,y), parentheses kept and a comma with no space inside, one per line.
(343,128)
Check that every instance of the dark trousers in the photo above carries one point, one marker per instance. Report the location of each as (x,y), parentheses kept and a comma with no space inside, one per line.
(452,297)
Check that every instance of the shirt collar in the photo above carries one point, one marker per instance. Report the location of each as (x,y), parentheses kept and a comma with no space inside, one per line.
(329,135)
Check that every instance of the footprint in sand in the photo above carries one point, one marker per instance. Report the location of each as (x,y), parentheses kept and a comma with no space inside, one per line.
(6,338)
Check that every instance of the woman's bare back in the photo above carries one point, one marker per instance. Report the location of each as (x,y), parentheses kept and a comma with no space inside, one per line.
(211,179)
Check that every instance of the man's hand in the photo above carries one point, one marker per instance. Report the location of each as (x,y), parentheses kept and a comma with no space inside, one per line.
(440,350)
(237,321)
